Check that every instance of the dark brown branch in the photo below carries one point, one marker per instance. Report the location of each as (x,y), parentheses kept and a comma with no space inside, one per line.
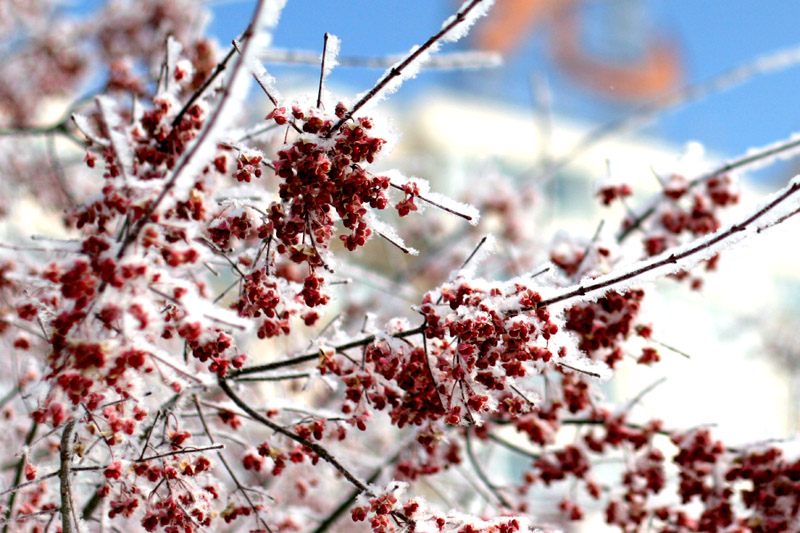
(322,68)
(64,473)
(300,375)
(393,242)
(672,348)
(221,66)
(180,452)
(430,372)
(727,167)
(316,448)
(474,251)
(466,262)
(224,462)
(149,432)
(348,501)
(435,204)
(759,230)
(673,258)
(194,149)
(315,355)
(396,71)
(258,80)
(579,370)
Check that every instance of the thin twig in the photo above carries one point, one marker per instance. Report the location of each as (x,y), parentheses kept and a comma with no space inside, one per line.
(396,71)
(18,473)
(20,486)
(513,447)
(636,399)
(392,242)
(435,204)
(58,170)
(221,66)
(224,462)
(322,68)
(149,432)
(735,164)
(482,474)
(198,143)
(671,258)
(324,454)
(589,246)
(258,80)
(580,370)
(21,517)
(275,378)
(315,355)
(180,452)
(670,347)
(430,372)
(348,501)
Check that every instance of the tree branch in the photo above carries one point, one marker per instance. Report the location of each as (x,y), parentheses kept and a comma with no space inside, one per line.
(315,355)
(219,110)
(396,71)
(482,474)
(224,462)
(64,473)
(667,258)
(738,163)
(316,448)
(18,474)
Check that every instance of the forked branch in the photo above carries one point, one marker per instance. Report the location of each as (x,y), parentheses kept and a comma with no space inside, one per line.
(396,71)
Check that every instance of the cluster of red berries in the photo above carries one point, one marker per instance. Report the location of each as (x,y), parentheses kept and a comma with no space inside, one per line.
(322,177)
(689,209)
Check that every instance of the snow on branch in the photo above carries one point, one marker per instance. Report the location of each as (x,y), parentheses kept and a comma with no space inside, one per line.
(777,208)
(467,59)
(201,150)
(452,29)
(754,159)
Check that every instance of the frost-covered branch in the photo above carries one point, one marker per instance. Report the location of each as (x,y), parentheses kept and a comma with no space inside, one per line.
(453,29)
(468,59)
(752,160)
(300,359)
(64,475)
(316,448)
(227,466)
(207,137)
(684,257)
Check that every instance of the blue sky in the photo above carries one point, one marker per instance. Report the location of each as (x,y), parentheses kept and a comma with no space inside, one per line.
(713,35)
